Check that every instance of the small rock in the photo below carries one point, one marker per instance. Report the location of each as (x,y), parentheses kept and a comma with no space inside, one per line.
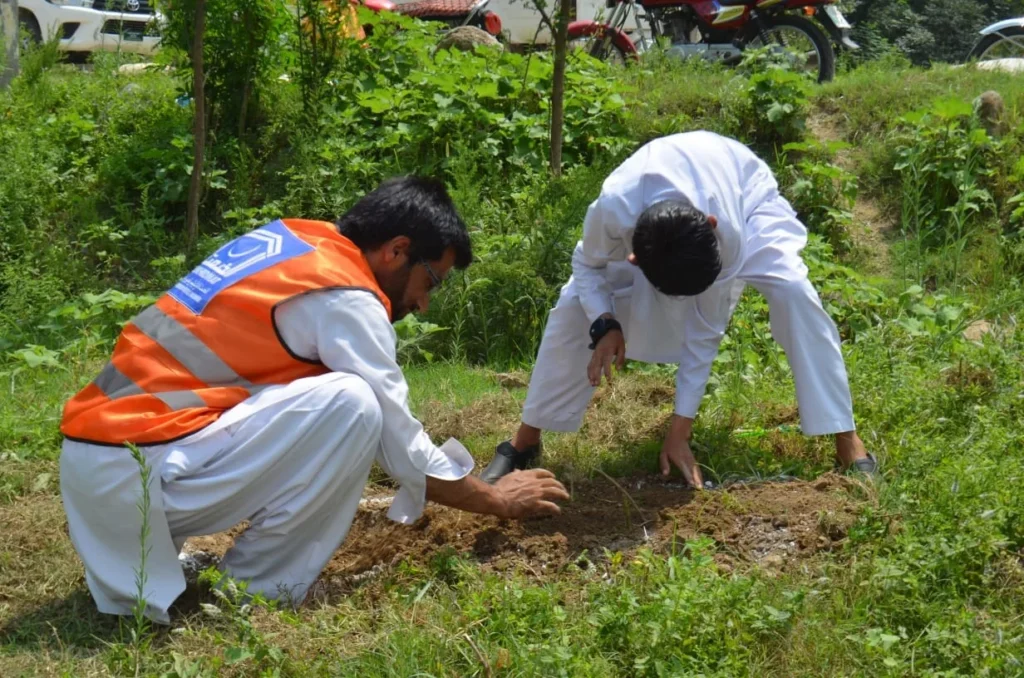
(466,38)
(510,380)
(773,560)
(976,330)
(836,532)
(194,563)
(128,69)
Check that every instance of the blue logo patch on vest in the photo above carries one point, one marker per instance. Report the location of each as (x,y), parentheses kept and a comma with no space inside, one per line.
(240,258)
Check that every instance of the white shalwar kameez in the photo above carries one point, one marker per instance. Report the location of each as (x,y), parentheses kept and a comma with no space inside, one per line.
(292,460)
(760,240)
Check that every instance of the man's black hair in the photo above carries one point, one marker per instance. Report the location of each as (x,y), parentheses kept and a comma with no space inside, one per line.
(676,248)
(416,207)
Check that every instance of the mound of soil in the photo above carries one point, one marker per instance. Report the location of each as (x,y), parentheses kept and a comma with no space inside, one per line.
(773,525)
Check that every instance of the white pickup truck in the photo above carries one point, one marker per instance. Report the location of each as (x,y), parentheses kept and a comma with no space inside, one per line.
(92,25)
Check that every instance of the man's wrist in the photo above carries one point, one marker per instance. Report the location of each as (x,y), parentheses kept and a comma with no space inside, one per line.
(497,502)
(604,324)
(469,494)
(681,427)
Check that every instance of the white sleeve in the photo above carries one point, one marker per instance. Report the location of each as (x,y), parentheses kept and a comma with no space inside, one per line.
(705,320)
(353,334)
(602,243)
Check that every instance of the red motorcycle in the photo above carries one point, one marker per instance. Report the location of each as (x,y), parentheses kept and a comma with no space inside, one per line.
(720,30)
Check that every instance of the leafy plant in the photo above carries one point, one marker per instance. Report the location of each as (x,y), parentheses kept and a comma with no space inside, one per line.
(496,312)
(776,101)
(100,316)
(414,336)
(823,194)
(942,163)
(236,606)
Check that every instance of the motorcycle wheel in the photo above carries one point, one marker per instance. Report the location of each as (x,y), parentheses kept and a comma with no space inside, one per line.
(1009,45)
(778,27)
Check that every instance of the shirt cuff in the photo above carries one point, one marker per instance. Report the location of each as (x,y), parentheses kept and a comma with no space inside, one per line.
(688,402)
(451,461)
(596,305)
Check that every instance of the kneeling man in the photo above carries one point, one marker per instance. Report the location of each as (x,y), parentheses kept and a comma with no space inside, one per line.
(261,388)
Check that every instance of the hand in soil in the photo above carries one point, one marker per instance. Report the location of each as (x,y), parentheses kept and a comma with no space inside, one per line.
(676,451)
(610,350)
(530,493)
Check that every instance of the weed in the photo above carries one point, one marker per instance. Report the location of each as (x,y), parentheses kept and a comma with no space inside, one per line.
(823,194)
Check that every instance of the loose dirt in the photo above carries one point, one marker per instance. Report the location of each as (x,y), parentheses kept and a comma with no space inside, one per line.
(771,525)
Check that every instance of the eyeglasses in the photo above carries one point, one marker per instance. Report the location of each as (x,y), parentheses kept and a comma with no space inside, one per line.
(433,276)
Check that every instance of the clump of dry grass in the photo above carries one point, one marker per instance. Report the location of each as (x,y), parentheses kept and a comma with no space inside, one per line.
(491,415)
(635,408)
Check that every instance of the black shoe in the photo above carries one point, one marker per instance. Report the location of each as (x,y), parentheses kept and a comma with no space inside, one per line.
(867,466)
(508,459)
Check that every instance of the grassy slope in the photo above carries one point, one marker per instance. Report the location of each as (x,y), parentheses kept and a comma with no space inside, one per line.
(930,581)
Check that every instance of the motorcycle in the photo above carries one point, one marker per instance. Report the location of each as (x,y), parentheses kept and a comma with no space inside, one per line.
(720,30)
(454,13)
(1001,40)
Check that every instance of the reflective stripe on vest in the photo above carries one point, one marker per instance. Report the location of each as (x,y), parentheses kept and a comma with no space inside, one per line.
(188,350)
(115,384)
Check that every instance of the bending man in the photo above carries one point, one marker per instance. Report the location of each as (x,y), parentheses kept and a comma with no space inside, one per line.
(679,229)
(262,387)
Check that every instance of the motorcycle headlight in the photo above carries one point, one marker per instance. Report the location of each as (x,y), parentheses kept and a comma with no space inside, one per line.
(87,4)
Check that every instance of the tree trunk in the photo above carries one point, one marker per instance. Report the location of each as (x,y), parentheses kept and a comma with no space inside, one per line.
(198,127)
(9,29)
(558,85)
(247,84)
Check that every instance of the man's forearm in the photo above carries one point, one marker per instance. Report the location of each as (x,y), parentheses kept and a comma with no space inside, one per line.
(467,494)
(592,287)
(692,377)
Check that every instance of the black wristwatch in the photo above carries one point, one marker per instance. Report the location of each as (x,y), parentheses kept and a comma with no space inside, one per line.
(601,327)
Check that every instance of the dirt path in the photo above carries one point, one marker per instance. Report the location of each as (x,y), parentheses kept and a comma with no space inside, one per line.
(872,224)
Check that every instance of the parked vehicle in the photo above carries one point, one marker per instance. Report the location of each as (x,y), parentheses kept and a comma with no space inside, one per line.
(451,12)
(721,30)
(1001,40)
(520,19)
(92,25)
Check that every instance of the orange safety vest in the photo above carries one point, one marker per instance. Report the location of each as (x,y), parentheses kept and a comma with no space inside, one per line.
(212,340)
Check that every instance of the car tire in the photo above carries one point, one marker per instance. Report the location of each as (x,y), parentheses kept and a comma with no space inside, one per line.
(32,34)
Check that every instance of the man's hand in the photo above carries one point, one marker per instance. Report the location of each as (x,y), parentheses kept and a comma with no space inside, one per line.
(610,350)
(530,493)
(520,494)
(676,451)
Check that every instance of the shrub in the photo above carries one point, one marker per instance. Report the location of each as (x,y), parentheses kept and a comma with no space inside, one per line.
(495,312)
